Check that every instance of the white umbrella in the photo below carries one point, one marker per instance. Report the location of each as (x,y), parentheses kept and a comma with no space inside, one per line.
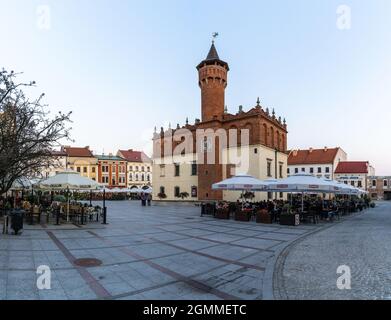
(303,183)
(134,190)
(141,190)
(342,188)
(149,190)
(240,183)
(69,180)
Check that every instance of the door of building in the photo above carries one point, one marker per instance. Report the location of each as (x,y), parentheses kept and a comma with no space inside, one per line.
(387,195)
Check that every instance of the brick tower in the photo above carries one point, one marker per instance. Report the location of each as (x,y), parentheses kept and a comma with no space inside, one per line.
(212,74)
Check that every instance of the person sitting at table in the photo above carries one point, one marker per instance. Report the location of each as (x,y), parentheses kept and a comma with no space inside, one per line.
(270,206)
(247,206)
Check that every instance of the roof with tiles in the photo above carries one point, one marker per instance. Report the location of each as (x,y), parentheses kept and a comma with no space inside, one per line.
(133,156)
(77,152)
(312,156)
(352,167)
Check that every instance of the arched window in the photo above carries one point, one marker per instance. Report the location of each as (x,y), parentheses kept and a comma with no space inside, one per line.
(265,133)
(249,127)
(272,137)
(232,133)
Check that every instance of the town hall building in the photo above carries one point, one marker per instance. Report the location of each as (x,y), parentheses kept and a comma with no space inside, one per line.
(188,175)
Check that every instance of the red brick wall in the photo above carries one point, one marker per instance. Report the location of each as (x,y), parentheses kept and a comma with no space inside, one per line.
(212,81)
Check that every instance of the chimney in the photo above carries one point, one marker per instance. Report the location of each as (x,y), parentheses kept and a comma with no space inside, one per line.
(294,153)
(130,150)
(311,149)
(325,149)
(87,147)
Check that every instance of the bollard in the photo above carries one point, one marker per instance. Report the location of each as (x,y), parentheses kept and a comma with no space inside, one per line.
(5,226)
(82,216)
(104,215)
(58,216)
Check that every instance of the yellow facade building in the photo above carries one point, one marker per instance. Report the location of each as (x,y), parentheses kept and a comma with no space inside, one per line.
(82,160)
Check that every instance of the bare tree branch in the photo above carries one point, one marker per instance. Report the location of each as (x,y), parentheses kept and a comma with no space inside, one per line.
(27,134)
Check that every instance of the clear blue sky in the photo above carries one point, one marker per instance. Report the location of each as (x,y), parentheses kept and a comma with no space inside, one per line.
(125,66)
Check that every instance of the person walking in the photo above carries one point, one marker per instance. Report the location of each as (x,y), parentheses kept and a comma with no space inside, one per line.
(149,199)
(143,199)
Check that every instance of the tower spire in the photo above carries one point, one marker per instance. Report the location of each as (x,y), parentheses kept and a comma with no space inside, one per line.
(212,75)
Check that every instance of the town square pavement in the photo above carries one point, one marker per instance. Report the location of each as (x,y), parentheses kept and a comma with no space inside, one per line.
(307,268)
(167,251)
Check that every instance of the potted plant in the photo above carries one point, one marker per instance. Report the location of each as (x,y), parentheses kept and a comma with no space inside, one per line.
(263,216)
(161,195)
(248,195)
(222,211)
(243,214)
(288,217)
(183,195)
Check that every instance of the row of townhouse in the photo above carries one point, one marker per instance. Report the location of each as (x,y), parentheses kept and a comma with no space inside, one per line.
(380,187)
(331,164)
(126,169)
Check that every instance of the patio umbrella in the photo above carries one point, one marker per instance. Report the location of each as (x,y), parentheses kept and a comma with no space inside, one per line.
(342,188)
(69,180)
(149,190)
(304,183)
(241,182)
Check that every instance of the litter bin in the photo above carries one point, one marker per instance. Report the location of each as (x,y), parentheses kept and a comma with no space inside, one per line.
(202,209)
(17,220)
(5,224)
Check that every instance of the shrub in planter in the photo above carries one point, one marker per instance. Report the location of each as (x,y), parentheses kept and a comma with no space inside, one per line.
(161,195)
(118,196)
(183,195)
(242,215)
(372,205)
(263,216)
(248,195)
(222,213)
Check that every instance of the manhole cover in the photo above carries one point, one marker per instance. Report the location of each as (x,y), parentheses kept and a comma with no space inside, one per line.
(189,218)
(87,262)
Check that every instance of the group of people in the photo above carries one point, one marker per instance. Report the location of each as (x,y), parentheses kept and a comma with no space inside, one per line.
(145,198)
(296,205)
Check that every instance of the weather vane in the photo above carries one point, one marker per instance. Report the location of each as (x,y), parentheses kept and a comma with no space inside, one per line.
(214,35)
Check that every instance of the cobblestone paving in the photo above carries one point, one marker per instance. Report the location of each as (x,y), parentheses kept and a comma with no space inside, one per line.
(308,269)
(158,252)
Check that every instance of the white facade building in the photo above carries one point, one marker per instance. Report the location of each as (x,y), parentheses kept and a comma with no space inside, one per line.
(318,162)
